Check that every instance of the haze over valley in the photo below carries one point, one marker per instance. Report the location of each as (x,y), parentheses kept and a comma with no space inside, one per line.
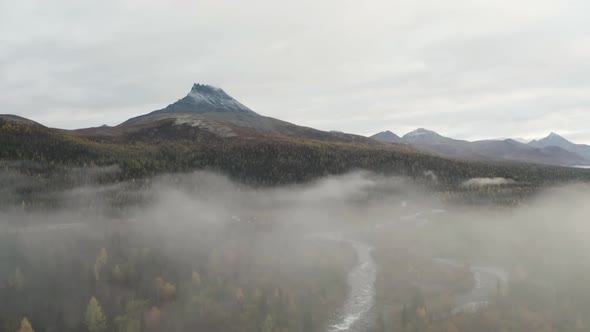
(333,166)
(206,215)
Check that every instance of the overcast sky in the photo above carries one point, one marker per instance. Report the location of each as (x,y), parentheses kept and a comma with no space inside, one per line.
(466,68)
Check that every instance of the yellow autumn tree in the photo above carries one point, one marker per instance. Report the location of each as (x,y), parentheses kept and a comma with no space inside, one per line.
(95,320)
(166,289)
(25,326)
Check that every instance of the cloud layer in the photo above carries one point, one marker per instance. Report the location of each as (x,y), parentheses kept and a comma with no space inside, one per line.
(482,182)
(469,69)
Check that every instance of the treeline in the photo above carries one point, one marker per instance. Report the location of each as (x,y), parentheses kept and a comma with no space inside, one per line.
(257,161)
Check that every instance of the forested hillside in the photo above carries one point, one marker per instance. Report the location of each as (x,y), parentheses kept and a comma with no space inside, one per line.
(41,152)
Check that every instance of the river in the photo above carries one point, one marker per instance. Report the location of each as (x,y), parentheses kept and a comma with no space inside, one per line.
(486,278)
(355,313)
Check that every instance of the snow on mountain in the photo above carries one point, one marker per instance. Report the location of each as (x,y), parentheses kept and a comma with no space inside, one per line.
(202,99)
(213,97)
(420,132)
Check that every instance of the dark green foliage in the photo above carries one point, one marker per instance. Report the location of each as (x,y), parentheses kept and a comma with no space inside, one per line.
(49,154)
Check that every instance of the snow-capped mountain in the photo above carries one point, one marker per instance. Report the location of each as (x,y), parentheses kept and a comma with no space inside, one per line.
(203,99)
(420,132)
(425,136)
(208,110)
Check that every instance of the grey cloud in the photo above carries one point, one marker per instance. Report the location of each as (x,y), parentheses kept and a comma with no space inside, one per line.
(473,69)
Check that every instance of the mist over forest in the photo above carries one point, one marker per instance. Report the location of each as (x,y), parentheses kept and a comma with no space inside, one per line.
(294,166)
(356,252)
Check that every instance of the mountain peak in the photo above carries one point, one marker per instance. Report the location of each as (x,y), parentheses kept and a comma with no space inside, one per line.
(387,133)
(554,138)
(423,136)
(202,98)
(386,136)
(421,132)
(205,88)
(207,98)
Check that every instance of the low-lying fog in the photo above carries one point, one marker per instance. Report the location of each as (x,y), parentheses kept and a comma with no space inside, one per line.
(358,252)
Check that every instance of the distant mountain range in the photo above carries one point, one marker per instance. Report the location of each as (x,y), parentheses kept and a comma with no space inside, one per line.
(207,128)
(552,150)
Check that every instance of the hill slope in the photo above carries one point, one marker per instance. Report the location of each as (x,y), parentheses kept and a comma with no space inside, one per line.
(218,134)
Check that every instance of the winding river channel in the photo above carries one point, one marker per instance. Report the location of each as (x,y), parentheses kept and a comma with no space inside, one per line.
(354,315)
(486,280)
